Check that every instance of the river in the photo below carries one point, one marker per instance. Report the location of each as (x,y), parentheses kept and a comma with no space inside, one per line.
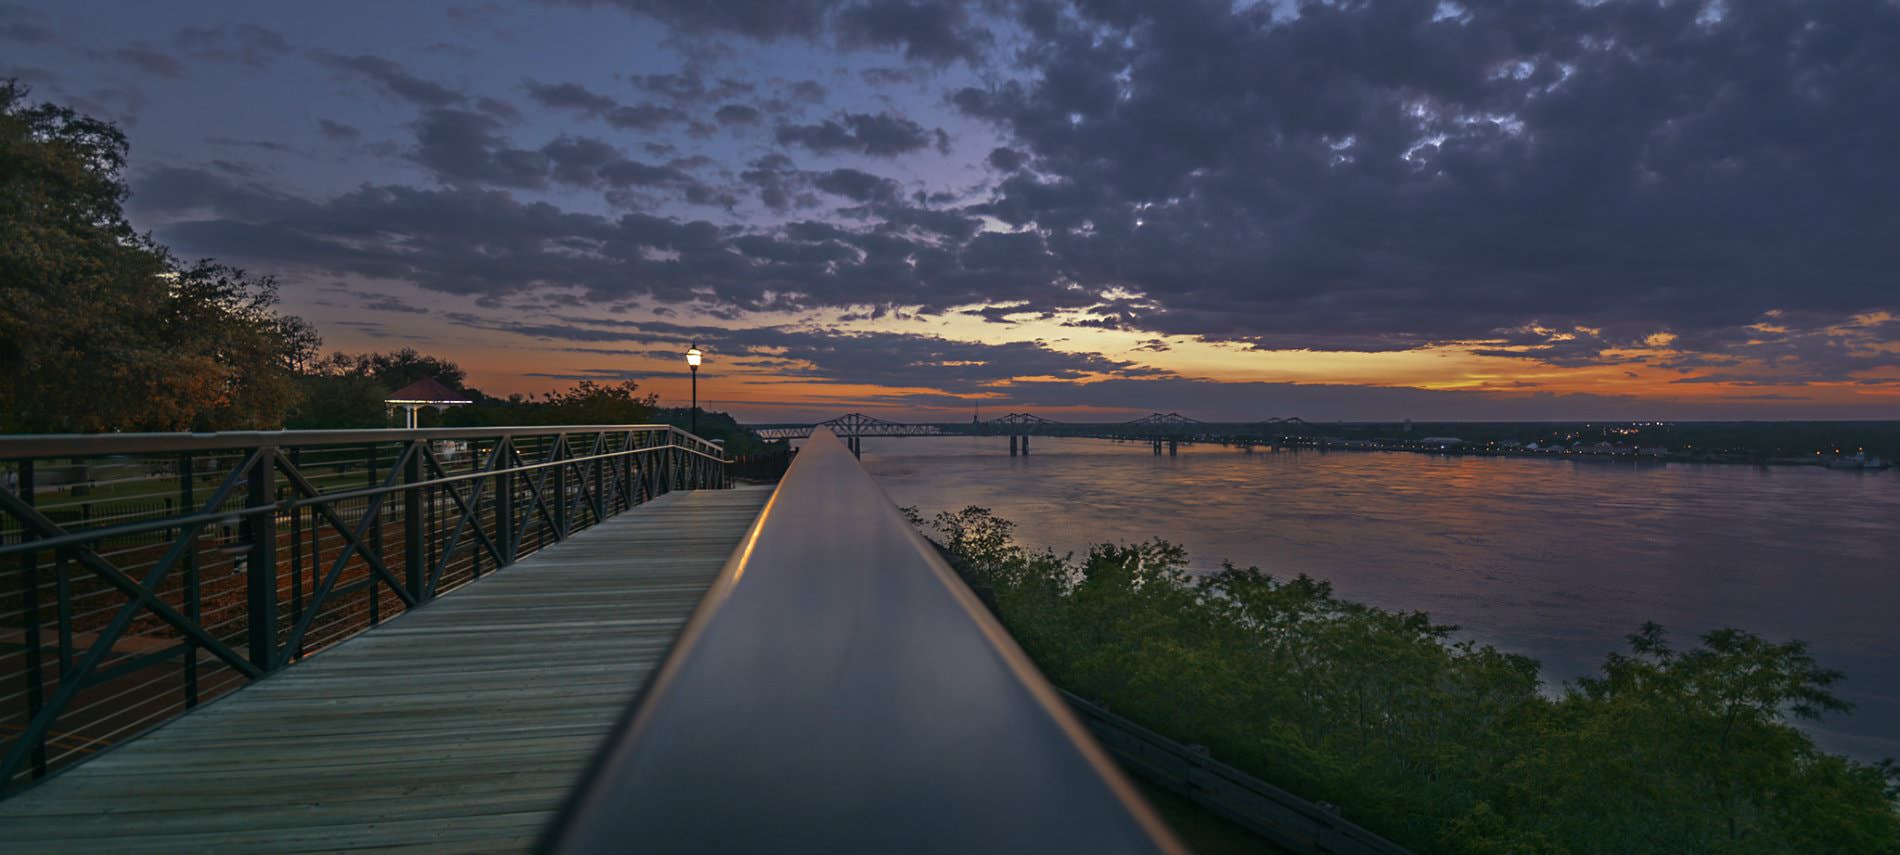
(1552,558)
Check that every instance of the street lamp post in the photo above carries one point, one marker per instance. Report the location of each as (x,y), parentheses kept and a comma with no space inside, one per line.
(692,361)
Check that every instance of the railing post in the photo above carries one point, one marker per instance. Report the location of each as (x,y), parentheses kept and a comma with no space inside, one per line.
(187,470)
(376,540)
(30,583)
(505,501)
(600,480)
(260,569)
(415,569)
(624,475)
(560,488)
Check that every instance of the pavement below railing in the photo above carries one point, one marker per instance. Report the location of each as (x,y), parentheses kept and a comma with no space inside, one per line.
(458,727)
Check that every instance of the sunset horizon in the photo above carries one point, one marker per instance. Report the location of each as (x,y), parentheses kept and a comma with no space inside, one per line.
(1401,211)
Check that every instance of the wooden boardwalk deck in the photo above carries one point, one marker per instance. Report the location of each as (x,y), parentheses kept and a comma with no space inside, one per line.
(456,728)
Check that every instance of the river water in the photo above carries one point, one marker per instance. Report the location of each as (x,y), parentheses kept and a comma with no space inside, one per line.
(1552,558)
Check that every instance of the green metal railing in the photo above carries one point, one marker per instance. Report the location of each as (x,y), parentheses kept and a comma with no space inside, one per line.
(144,574)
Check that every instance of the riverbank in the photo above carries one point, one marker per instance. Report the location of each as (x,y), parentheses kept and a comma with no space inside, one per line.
(1555,559)
(1674,744)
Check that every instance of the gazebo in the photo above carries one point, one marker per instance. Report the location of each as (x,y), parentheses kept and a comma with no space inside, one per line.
(427,392)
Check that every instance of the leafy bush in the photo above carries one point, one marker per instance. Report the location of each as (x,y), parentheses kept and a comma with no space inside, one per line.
(1441,744)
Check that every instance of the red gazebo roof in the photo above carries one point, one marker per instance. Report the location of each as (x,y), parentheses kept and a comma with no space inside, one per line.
(428,390)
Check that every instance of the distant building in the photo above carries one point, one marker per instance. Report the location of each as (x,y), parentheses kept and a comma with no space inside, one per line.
(1442,441)
(427,392)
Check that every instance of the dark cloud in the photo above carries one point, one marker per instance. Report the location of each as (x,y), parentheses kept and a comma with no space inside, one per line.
(860,186)
(689,86)
(1007,159)
(736,114)
(468,148)
(759,19)
(249,44)
(150,61)
(461,146)
(894,76)
(376,302)
(392,79)
(498,108)
(645,117)
(810,91)
(777,180)
(118,104)
(472,13)
(1381,176)
(468,240)
(927,30)
(578,160)
(572,96)
(24,25)
(875,134)
(934,31)
(185,192)
(338,131)
(633,173)
(267,145)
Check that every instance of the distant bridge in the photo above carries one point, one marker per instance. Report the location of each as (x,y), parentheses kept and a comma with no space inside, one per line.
(1169,429)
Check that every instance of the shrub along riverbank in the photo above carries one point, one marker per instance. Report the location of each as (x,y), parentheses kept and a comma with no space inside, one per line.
(1439,744)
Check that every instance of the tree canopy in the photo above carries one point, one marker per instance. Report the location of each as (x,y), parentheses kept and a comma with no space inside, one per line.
(396,369)
(103,329)
(1440,744)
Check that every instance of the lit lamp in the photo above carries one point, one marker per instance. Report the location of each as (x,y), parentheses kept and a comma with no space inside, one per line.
(692,361)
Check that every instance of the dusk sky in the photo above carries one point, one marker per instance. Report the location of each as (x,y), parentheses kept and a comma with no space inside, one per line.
(1359,211)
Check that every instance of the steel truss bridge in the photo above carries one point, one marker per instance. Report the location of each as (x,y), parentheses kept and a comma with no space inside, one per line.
(1169,429)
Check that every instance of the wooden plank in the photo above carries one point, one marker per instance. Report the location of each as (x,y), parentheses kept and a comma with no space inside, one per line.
(454,728)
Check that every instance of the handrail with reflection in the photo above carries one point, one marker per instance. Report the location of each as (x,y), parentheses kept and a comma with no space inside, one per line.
(840,690)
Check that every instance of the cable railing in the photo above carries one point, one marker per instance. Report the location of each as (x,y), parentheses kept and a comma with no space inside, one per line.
(839,689)
(144,574)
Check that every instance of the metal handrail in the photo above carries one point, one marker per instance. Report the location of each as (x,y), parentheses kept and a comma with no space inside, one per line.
(103,444)
(840,690)
(107,611)
(86,535)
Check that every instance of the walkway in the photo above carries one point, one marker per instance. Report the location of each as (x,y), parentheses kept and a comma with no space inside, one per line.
(458,728)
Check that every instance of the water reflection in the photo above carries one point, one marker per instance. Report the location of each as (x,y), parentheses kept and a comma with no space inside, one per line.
(1552,558)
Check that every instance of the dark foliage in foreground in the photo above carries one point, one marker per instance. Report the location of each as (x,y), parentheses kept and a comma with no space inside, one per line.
(1442,745)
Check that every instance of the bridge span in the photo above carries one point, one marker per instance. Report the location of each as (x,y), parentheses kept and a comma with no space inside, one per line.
(1161,430)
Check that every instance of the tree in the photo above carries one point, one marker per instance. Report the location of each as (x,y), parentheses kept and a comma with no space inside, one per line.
(102,328)
(590,403)
(329,402)
(396,370)
(1439,744)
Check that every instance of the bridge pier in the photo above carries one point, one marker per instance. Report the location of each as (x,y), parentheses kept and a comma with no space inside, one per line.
(1157,445)
(1012,445)
(1025,445)
(1174,448)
